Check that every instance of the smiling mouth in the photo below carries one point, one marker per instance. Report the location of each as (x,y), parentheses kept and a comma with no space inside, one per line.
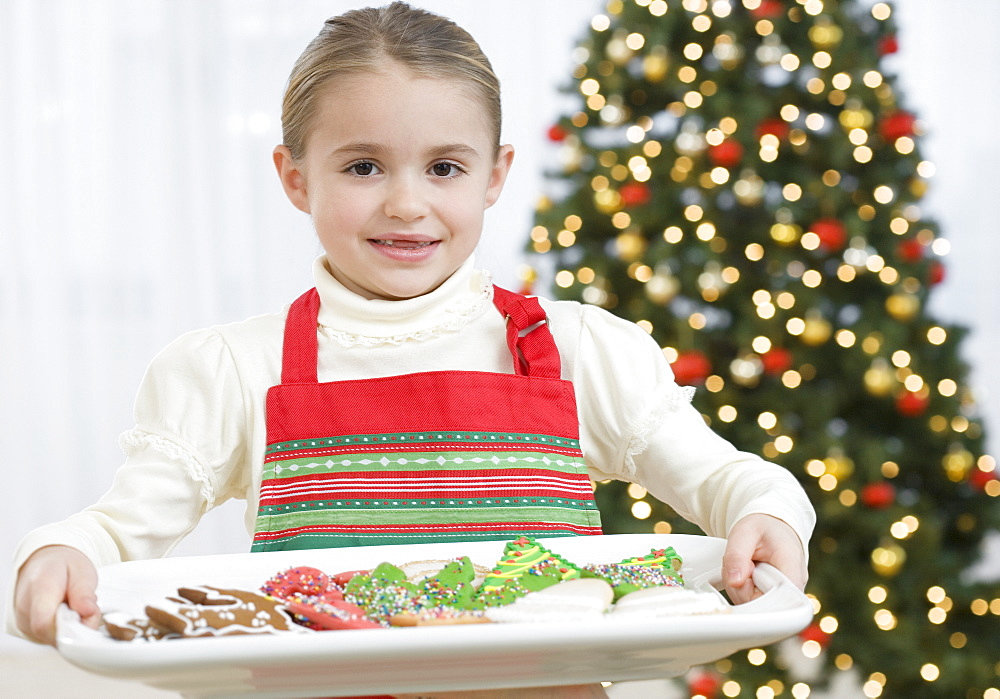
(405,244)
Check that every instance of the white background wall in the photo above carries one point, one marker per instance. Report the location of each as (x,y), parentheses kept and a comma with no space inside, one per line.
(138,200)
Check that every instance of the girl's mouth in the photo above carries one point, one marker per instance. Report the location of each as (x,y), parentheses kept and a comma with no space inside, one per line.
(404,244)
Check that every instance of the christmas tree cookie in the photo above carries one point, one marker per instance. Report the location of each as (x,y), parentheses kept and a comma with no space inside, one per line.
(529,564)
(658,568)
(383,592)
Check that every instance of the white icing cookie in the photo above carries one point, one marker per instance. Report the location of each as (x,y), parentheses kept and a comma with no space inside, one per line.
(655,602)
(580,599)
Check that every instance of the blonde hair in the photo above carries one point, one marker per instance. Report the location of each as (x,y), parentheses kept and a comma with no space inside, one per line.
(364,40)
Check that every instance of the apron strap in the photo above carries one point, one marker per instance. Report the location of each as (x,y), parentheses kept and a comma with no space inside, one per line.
(301,346)
(528,335)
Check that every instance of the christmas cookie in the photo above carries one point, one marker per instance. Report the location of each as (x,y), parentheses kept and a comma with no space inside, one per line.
(213,611)
(122,629)
(580,599)
(658,568)
(323,614)
(657,602)
(299,582)
(382,593)
(531,565)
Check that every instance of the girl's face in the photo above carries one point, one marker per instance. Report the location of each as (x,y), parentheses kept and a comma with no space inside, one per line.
(397,172)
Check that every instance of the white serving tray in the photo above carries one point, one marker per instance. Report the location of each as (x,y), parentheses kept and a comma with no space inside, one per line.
(425,659)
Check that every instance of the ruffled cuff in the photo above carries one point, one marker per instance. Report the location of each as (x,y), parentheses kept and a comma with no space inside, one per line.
(674,398)
(135,440)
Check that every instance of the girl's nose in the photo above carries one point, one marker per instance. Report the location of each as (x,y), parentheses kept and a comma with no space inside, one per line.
(405,199)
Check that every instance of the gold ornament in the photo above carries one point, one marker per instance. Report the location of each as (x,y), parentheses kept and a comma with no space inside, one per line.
(786,233)
(656,64)
(817,330)
(838,465)
(888,560)
(608,201)
(630,246)
(918,188)
(571,155)
(957,463)
(902,306)
(662,287)
(746,370)
(825,34)
(749,189)
(618,51)
(879,379)
(855,119)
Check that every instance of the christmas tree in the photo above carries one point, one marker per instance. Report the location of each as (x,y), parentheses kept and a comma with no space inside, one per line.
(743,179)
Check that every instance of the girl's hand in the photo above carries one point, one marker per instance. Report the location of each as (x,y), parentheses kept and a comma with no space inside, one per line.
(53,575)
(761,538)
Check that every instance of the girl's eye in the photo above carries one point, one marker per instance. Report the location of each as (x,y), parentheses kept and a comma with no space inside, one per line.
(445,169)
(362,169)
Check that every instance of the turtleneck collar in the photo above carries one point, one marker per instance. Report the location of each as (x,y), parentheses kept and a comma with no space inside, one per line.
(350,319)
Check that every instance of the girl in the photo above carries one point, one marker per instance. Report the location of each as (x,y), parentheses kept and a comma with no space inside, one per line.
(414,379)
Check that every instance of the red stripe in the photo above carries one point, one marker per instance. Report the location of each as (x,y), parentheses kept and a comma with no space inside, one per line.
(430,447)
(513,476)
(366,496)
(349,529)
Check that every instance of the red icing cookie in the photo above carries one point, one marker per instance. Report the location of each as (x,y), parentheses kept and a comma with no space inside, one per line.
(302,581)
(330,615)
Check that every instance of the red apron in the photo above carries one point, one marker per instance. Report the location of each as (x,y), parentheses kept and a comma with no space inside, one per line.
(427,457)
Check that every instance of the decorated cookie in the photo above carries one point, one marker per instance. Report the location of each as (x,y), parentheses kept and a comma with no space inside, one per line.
(451,586)
(323,614)
(658,568)
(383,592)
(213,611)
(532,565)
(301,582)
(124,629)
(439,616)
(580,599)
(657,602)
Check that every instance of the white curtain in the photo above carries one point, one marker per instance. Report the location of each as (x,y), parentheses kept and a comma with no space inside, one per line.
(138,199)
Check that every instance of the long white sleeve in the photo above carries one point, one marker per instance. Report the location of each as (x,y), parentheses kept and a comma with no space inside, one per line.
(638,425)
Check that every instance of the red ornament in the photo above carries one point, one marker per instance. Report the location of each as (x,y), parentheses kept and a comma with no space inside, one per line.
(896,125)
(936,275)
(831,232)
(887,45)
(769,9)
(878,495)
(980,479)
(557,133)
(704,684)
(776,360)
(814,633)
(635,194)
(911,250)
(912,404)
(729,153)
(691,368)
(774,127)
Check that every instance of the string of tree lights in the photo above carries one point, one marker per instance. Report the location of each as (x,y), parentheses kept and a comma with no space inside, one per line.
(743,179)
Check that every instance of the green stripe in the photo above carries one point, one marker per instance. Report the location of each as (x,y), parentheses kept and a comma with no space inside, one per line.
(454,461)
(577,513)
(424,437)
(319,541)
(408,504)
